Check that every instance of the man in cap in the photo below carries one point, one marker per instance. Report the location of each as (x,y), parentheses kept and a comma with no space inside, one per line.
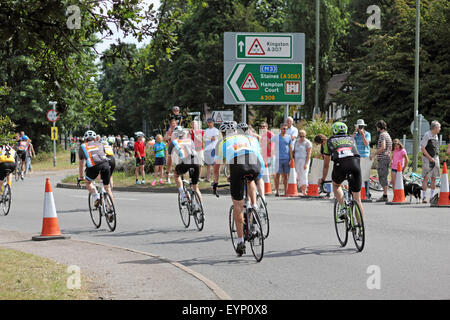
(362,139)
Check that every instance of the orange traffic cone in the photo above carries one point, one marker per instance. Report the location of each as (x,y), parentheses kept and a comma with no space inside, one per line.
(313,190)
(399,192)
(50,226)
(292,182)
(267,186)
(444,189)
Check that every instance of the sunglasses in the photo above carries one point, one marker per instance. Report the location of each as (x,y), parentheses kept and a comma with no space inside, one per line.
(302,136)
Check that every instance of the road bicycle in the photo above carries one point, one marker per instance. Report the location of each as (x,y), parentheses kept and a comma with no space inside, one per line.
(413,177)
(6,197)
(352,220)
(105,207)
(253,230)
(374,184)
(192,206)
(17,171)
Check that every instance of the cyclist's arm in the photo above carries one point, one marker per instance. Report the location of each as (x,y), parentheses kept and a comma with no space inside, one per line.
(81,168)
(326,166)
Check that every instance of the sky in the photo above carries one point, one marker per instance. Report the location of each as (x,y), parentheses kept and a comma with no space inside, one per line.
(107,42)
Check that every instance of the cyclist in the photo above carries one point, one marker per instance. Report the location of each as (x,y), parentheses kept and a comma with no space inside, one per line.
(341,148)
(7,164)
(22,148)
(244,129)
(93,155)
(243,155)
(181,151)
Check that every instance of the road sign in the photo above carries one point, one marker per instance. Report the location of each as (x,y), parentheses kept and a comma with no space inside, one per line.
(54,133)
(423,125)
(222,116)
(52,115)
(264,46)
(258,83)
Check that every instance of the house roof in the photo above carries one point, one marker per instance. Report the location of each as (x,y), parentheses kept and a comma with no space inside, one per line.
(334,85)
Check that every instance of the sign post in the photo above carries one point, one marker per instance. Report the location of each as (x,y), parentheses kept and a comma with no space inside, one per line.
(53,116)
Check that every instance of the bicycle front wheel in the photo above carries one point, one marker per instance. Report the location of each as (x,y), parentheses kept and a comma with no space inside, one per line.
(199,216)
(110,212)
(6,199)
(184,210)
(263,215)
(358,230)
(256,237)
(96,215)
(340,225)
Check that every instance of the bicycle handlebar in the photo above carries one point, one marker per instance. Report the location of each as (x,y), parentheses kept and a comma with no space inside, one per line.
(219,186)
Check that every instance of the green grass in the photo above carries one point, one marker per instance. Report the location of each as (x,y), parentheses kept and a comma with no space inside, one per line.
(24,276)
(44,161)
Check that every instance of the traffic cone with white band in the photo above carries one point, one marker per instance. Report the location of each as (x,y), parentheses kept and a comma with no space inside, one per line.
(50,226)
(267,186)
(399,191)
(292,182)
(444,189)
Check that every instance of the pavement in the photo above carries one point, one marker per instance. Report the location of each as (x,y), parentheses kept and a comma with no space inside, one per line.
(107,267)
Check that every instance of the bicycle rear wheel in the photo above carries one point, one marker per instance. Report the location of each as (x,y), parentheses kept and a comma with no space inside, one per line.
(96,215)
(263,215)
(233,230)
(184,210)
(199,216)
(340,225)
(109,211)
(358,231)
(375,185)
(17,171)
(256,237)
(6,199)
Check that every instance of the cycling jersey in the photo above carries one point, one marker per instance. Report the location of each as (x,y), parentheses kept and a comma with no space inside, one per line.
(111,140)
(340,147)
(109,151)
(23,145)
(7,154)
(93,152)
(183,151)
(237,145)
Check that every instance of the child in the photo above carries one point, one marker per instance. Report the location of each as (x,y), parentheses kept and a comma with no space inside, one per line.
(398,155)
(160,158)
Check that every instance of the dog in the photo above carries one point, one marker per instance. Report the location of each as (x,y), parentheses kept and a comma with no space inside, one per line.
(412,189)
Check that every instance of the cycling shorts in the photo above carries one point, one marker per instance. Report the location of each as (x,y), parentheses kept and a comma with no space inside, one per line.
(112,163)
(183,168)
(242,166)
(21,154)
(346,166)
(102,168)
(6,168)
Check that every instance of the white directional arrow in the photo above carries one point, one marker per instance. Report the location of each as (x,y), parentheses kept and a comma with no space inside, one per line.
(241,46)
(234,85)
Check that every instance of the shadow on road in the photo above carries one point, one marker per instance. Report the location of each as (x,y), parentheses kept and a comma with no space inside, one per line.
(72,211)
(320,251)
(194,240)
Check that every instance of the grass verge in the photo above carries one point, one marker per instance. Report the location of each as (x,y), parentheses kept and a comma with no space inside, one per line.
(24,276)
(44,162)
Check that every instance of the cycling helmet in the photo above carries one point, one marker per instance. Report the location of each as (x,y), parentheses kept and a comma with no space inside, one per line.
(243,126)
(228,126)
(131,139)
(339,128)
(178,131)
(89,134)
(139,133)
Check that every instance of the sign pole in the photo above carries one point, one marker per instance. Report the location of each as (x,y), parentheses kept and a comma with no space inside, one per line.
(286,112)
(244,114)
(416,90)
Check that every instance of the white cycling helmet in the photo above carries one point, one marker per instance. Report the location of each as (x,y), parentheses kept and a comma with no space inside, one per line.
(89,134)
(242,126)
(178,132)
(228,126)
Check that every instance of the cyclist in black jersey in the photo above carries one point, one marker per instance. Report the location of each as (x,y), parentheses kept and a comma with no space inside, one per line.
(341,148)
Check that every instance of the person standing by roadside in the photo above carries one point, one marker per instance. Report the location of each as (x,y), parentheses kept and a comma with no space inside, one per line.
(383,154)
(212,136)
(362,139)
(139,153)
(398,155)
(430,158)
(302,156)
(283,145)
(160,150)
(176,115)
(291,130)
(266,143)
(73,151)
(29,154)
(321,140)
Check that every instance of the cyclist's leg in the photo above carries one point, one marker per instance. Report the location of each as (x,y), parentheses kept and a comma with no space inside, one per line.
(90,176)
(238,213)
(251,190)
(105,174)
(195,176)
(338,193)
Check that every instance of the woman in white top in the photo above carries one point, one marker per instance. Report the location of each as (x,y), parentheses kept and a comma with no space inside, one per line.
(302,156)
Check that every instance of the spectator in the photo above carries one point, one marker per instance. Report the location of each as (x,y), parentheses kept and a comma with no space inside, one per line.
(430,158)
(283,143)
(176,115)
(139,153)
(29,154)
(302,156)
(398,155)
(320,139)
(160,150)
(212,136)
(168,135)
(383,154)
(292,131)
(73,151)
(362,139)
(265,140)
